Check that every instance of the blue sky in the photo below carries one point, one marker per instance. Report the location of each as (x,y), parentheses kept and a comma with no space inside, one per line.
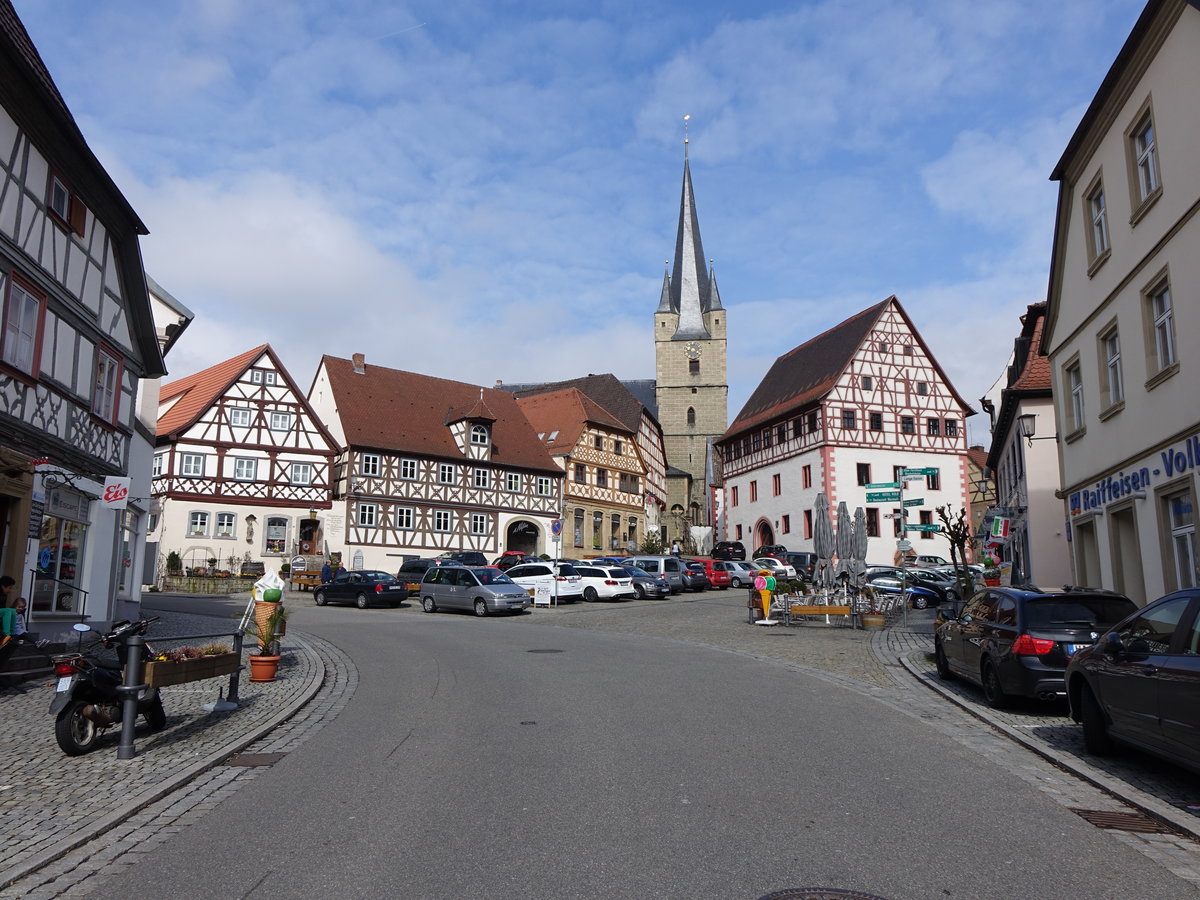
(488,191)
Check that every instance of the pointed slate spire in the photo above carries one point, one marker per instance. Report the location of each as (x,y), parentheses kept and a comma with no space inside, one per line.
(689,278)
(714,296)
(664,300)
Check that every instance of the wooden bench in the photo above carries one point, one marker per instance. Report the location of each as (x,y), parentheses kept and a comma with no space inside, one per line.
(798,609)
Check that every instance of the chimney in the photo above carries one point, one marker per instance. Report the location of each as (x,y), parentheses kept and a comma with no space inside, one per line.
(360,363)
(499,384)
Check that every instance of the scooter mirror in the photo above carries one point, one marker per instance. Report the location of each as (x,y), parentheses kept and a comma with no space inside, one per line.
(81,627)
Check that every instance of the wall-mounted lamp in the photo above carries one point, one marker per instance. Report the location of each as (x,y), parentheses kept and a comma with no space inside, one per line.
(1027,426)
(312,512)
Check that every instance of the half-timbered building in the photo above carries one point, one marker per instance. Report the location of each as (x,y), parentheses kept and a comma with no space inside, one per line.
(428,465)
(242,468)
(605,473)
(78,337)
(846,413)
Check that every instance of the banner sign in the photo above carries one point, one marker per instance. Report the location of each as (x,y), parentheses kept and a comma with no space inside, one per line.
(1000,527)
(116,491)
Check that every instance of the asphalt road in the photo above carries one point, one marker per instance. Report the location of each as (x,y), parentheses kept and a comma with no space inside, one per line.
(502,758)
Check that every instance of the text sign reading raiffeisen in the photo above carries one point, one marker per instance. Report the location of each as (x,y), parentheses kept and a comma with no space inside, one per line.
(1176,460)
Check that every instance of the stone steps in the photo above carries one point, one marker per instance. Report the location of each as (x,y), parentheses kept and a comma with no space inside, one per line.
(29,663)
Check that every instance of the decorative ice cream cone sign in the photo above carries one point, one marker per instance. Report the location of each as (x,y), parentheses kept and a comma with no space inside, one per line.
(764,583)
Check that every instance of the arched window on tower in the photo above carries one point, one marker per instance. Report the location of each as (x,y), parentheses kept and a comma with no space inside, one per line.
(691,416)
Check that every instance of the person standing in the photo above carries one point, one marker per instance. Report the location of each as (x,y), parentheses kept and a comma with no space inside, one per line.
(675,549)
(326,573)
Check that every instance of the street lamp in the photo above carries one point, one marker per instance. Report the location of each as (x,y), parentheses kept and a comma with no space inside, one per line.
(1027,426)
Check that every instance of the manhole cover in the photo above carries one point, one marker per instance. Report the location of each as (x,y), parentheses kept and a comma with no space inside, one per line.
(544,651)
(819,894)
(1123,821)
(254,759)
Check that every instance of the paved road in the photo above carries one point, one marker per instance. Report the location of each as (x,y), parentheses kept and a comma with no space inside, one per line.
(613,751)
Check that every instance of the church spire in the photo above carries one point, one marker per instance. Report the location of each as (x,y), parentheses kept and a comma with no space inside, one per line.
(689,277)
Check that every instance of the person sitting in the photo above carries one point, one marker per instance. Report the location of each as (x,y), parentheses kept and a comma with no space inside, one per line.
(20,634)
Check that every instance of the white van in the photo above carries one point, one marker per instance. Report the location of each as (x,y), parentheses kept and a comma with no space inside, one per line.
(670,567)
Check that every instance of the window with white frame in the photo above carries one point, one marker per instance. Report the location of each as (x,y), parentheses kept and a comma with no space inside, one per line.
(159,465)
(543,486)
(479,435)
(280,421)
(479,524)
(1161,317)
(1181,519)
(225,523)
(404,517)
(256,376)
(933,426)
(367,515)
(445,473)
(269,378)
(908,425)
(1145,156)
(64,205)
(1096,209)
(408,469)
(301,473)
(512,482)
(106,391)
(245,469)
(198,524)
(951,427)
(1110,358)
(482,478)
(933,482)
(191,465)
(22,327)
(239,417)
(369,465)
(441,520)
(1074,378)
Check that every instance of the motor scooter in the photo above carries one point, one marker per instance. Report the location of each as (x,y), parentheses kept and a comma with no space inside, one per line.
(86,700)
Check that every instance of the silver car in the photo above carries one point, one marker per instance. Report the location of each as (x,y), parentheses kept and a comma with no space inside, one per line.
(482,589)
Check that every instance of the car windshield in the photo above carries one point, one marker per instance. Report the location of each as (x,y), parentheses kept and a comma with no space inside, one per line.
(491,576)
(1077,610)
(634,572)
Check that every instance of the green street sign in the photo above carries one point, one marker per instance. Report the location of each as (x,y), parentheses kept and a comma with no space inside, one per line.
(920,501)
(926,472)
(884,486)
(923,527)
(883,497)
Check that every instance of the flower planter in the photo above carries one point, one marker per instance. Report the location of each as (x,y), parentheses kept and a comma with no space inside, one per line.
(162,673)
(873,621)
(262,668)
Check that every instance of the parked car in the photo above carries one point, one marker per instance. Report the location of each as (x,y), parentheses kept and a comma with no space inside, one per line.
(605,561)
(1139,684)
(717,571)
(729,550)
(803,562)
(886,580)
(560,579)
(1017,641)
(412,571)
(605,583)
(694,576)
(670,567)
(930,561)
(483,590)
(741,573)
(944,588)
(778,567)
(647,586)
(466,557)
(363,588)
(776,550)
(508,559)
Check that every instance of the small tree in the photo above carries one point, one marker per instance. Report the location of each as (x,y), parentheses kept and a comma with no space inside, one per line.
(652,543)
(174,562)
(957,528)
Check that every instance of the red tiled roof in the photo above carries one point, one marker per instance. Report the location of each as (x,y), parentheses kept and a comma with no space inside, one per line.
(566,412)
(978,455)
(198,392)
(389,409)
(606,390)
(1036,374)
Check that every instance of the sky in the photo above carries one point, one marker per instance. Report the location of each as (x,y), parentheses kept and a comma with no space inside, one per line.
(488,191)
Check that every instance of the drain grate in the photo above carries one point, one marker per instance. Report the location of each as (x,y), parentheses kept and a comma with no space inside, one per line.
(817,893)
(544,651)
(1137,822)
(254,759)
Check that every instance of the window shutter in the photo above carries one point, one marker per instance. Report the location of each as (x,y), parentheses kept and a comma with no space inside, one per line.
(76,213)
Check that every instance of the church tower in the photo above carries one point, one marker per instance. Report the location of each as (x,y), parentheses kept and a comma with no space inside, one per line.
(689,350)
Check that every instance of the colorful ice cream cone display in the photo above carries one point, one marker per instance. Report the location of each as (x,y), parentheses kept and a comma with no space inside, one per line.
(764,583)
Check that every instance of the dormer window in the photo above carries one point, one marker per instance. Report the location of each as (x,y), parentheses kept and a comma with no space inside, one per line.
(65,208)
(479,435)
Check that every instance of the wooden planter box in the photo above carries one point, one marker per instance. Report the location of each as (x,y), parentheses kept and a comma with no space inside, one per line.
(162,674)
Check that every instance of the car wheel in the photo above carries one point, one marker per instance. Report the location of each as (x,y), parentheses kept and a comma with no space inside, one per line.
(480,607)
(919,602)
(993,693)
(641,591)
(428,605)
(943,664)
(590,595)
(319,598)
(736,582)
(361,600)
(1095,732)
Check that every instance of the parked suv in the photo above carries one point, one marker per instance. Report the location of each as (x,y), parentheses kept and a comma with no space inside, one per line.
(483,590)
(776,550)
(804,563)
(560,579)
(670,567)
(413,570)
(1017,641)
(729,550)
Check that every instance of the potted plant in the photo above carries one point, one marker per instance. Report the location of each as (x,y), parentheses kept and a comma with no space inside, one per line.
(874,619)
(181,665)
(264,661)
(991,570)
(174,563)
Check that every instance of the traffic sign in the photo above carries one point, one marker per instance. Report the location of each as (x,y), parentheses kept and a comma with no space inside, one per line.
(556,527)
(903,545)
(920,501)
(884,486)
(934,527)
(921,472)
(883,497)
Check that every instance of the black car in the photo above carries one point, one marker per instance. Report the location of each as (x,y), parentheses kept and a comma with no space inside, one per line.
(648,587)
(1017,641)
(803,562)
(695,577)
(1140,683)
(729,550)
(413,571)
(363,588)
(776,550)
(466,557)
(887,580)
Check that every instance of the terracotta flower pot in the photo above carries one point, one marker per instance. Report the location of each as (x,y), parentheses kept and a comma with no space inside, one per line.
(262,668)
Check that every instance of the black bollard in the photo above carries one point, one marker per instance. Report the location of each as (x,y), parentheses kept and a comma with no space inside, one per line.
(129,691)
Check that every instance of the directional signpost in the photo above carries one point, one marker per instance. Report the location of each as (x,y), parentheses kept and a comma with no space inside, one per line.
(933,527)
(884,486)
(919,501)
(931,470)
(883,497)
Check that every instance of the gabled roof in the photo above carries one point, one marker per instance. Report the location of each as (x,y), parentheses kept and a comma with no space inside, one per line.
(389,409)
(197,393)
(564,415)
(475,412)
(1032,381)
(804,375)
(607,390)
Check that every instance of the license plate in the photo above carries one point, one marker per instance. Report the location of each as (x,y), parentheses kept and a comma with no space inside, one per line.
(64,684)
(1071,648)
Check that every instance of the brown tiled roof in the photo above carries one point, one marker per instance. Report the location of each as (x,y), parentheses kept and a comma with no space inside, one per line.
(977,455)
(198,392)
(477,411)
(389,409)
(606,389)
(567,412)
(14,30)
(1036,374)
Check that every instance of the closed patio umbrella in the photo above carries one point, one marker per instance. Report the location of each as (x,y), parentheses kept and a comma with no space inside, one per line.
(823,544)
(844,541)
(858,554)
